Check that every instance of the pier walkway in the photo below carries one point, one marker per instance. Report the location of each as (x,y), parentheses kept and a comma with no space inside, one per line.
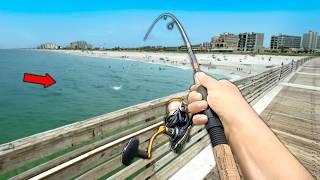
(294,115)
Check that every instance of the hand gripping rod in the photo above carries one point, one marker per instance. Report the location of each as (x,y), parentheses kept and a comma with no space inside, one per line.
(226,165)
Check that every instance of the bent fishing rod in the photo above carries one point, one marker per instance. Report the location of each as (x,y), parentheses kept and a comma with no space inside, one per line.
(227,168)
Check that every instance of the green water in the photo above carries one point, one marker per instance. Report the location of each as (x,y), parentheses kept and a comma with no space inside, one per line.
(86,87)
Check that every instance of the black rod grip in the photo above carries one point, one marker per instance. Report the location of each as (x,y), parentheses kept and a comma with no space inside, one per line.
(214,125)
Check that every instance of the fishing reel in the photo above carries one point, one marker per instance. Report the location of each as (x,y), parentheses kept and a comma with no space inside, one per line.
(177,126)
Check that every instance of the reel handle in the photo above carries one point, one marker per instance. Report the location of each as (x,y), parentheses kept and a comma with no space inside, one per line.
(131,150)
(226,165)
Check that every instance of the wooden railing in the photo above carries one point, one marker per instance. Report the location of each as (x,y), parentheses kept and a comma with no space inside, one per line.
(91,149)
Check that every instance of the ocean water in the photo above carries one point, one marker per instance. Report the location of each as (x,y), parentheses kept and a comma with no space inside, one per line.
(86,87)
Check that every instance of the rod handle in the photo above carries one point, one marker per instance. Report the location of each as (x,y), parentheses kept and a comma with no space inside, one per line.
(214,125)
(226,165)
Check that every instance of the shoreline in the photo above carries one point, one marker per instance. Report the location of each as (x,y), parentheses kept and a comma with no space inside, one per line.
(230,65)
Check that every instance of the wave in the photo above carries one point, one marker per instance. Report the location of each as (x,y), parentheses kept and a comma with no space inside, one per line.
(116,88)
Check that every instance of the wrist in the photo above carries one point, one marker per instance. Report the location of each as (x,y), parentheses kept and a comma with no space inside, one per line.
(244,120)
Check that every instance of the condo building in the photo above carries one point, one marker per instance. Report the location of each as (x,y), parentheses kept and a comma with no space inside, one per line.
(309,41)
(251,41)
(227,41)
(283,41)
(318,42)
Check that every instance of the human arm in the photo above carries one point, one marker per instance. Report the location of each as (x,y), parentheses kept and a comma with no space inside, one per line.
(259,152)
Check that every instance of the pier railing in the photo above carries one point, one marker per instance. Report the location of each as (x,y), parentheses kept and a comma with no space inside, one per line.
(91,149)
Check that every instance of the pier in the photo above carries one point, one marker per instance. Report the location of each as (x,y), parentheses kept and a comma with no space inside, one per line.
(286,97)
(294,115)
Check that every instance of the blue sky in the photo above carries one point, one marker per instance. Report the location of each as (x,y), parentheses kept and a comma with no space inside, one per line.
(123,23)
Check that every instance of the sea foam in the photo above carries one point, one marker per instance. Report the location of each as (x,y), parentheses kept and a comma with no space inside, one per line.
(116,88)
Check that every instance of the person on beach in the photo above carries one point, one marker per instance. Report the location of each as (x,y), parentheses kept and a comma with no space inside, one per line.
(259,152)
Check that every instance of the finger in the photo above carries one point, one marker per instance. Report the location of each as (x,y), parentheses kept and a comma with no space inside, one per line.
(194,96)
(199,119)
(205,80)
(197,106)
(194,87)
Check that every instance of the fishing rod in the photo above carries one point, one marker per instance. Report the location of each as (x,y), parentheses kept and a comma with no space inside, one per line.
(227,168)
(177,124)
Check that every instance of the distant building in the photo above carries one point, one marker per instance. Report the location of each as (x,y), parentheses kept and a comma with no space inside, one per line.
(226,41)
(318,43)
(283,41)
(80,45)
(48,46)
(205,46)
(250,41)
(309,41)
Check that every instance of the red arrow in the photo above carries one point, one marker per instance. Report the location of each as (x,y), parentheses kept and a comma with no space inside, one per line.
(45,80)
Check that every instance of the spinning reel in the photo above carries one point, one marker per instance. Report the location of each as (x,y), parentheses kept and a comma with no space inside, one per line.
(177,126)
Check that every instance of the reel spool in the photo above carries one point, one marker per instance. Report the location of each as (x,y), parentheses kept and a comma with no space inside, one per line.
(177,126)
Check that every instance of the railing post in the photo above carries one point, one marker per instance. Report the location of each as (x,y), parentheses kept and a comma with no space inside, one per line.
(281,71)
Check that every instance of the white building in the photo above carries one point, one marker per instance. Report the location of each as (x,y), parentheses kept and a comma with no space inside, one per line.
(251,41)
(309,41)
(48,46)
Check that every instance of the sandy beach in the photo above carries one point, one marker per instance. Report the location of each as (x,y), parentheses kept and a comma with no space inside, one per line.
(234,66)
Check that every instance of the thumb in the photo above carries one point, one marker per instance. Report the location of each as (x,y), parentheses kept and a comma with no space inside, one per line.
(207,81)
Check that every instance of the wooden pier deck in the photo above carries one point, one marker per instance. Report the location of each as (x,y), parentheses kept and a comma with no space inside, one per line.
(294,115)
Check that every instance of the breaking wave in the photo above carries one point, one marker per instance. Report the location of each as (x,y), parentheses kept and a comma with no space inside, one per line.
(116,88)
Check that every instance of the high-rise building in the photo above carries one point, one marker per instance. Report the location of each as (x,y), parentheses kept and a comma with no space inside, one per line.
(250,41)
(318,43)
(226,41)
(80,45)
(309,41)
(283,41)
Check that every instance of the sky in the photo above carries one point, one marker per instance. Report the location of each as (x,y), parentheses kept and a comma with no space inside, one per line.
(26,24)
